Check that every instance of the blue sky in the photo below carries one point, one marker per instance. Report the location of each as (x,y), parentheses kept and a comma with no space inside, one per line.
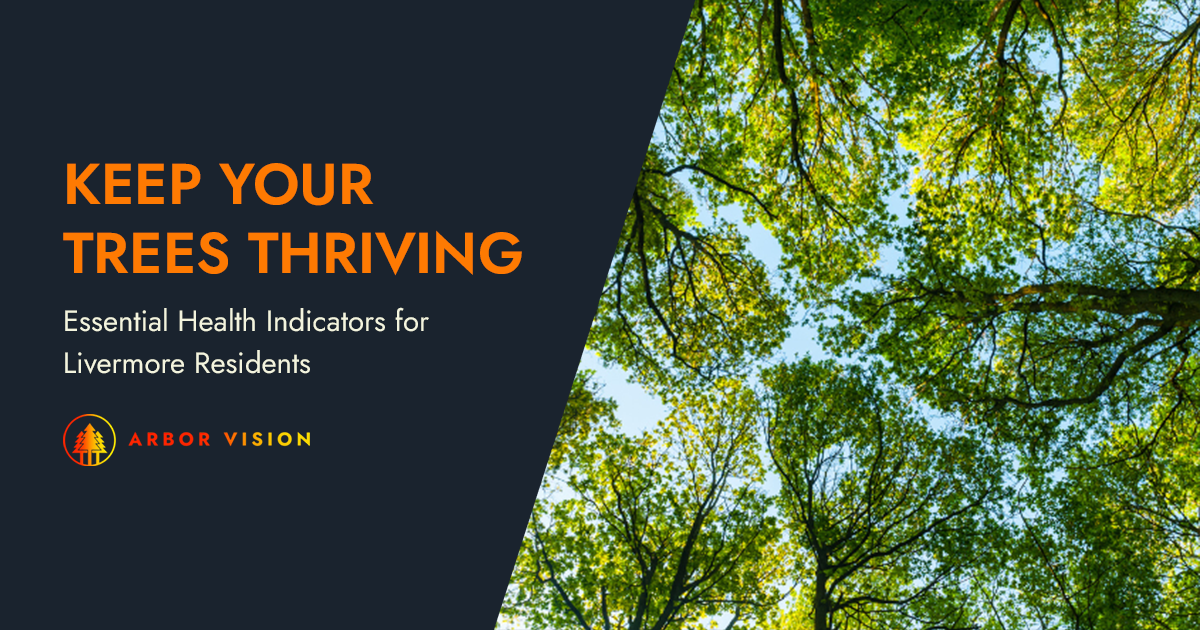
(639,410)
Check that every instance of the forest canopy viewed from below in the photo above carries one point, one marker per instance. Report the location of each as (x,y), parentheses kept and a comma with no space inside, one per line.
(989,213)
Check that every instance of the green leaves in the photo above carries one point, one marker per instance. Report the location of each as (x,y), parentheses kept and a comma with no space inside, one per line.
(993,210)
(1049,264)
(655,531)
(684,300)
(1118,545)
(890,514)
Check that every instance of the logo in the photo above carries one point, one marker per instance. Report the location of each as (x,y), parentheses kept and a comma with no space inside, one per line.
(89,440)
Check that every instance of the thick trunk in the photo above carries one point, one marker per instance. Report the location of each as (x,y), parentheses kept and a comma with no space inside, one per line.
(821,610)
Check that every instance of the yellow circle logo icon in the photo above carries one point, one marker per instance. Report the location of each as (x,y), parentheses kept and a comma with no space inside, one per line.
(88,444)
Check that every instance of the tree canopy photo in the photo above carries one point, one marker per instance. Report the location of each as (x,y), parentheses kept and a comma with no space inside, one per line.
(988,214)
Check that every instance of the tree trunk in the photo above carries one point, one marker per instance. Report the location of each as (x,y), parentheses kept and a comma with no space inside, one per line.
(821,610)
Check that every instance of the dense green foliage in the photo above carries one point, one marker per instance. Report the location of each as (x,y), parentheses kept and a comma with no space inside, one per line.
(989,213)
(890,514)
(655,531)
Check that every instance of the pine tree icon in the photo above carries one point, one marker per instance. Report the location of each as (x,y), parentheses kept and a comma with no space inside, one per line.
(87,442)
